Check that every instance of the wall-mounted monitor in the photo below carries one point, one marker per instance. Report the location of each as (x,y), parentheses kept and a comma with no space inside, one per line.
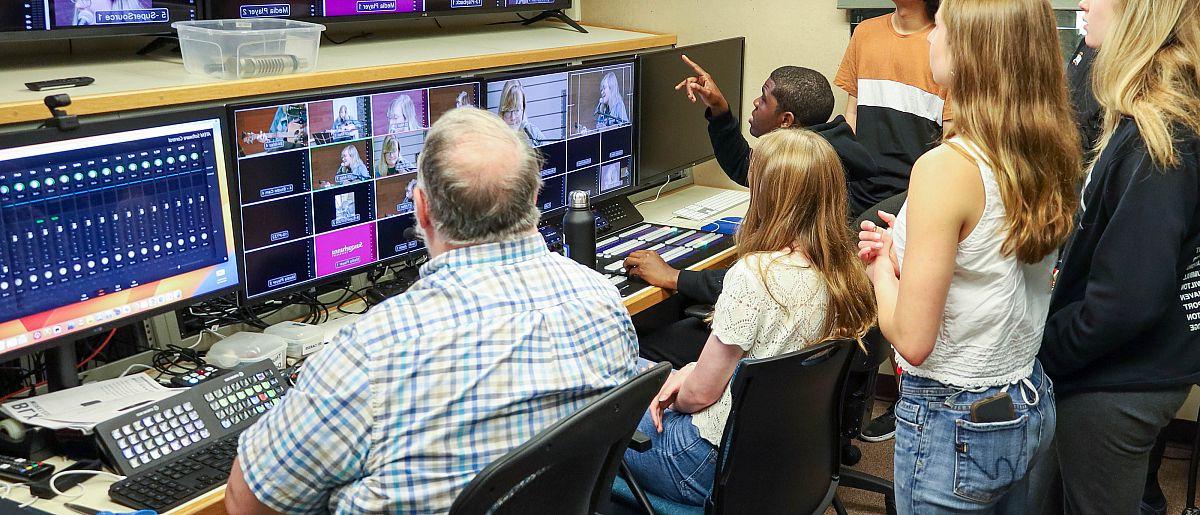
(325,182)
(111,223)
(674,133)
(581,119)
(326,11)
(54,19)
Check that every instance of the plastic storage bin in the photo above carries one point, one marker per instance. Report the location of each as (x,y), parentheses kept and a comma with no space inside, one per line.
(240,49)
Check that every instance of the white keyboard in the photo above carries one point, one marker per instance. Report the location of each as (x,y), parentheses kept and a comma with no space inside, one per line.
(710,206)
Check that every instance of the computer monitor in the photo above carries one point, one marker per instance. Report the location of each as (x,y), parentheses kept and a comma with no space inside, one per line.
(52,19)
(325,182)
(111,223)
(581,119)
(674,133)
(327,11)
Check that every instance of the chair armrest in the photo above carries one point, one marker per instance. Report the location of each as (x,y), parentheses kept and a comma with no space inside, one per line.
(700,311)
(639,442)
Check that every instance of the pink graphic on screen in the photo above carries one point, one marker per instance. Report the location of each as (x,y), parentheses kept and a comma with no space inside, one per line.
(343,250)
(359,7)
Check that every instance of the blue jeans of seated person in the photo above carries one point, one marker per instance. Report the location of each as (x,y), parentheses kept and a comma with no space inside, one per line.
(945,463)
(680,465)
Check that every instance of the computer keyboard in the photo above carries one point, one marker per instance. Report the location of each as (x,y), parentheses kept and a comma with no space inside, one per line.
(713,205)
(178,448)
(180,480)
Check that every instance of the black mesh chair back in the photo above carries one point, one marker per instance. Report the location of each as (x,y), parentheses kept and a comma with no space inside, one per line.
(569,467)
(779,452)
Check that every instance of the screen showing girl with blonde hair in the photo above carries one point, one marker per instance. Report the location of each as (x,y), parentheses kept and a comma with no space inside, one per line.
(512,110)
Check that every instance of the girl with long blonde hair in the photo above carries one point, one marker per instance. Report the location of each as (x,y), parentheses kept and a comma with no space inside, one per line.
(1122,341)
(963,278)
(796,283)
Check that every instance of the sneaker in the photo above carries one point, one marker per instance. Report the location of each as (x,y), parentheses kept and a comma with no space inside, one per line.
(881,429)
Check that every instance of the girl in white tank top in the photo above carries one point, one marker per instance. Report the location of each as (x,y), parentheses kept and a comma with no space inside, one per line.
(962,279)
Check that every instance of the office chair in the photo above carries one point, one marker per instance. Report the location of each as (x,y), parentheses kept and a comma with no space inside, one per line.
(780,452)
(859,398)
(569,467)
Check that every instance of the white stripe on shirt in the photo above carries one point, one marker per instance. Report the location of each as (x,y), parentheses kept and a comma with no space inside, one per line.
(901,97)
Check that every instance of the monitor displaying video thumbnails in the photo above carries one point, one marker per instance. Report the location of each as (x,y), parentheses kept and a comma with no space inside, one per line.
(326,184)
(581,119)
(357,10)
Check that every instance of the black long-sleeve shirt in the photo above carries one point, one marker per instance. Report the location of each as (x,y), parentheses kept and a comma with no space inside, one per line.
(1125,313)
(733,155)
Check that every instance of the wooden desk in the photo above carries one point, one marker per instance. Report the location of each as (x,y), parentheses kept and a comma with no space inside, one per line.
(129,82)
(95,490)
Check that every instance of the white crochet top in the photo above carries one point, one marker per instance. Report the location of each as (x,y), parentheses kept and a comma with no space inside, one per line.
(747,316)
(997,305)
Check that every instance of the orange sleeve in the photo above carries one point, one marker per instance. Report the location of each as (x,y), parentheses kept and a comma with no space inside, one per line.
(847,74)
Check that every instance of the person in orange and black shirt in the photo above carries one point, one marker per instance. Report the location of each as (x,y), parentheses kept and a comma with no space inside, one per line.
(898,113)
(896,109)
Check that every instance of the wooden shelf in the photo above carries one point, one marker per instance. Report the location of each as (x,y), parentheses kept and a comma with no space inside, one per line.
(127,82)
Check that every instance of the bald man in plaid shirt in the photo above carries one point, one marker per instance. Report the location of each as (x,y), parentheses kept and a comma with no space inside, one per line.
(499,339)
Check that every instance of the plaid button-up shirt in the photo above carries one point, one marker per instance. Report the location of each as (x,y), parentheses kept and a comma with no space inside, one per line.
(493,344)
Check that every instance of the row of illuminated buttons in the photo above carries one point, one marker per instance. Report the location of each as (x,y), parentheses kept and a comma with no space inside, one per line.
(102,219)
(34,184)
(91,264)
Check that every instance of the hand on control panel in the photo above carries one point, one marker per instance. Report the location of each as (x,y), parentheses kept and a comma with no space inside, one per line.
(648,266)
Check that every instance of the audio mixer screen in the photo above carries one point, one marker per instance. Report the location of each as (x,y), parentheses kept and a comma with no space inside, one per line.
(326,184)
(101,228)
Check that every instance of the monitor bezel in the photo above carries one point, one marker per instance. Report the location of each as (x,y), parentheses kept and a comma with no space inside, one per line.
(98,31)
(325,20)
(635,114)
(658,179)
(99,128)
(236,194)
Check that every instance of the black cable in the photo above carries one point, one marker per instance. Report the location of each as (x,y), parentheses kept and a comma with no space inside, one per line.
(360,35)
(355,293)
(175,356)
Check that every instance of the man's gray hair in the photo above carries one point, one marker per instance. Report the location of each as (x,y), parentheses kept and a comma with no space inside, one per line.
(481,178)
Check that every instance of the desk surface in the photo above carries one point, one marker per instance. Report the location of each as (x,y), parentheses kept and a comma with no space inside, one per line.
(95,491)
(127,82)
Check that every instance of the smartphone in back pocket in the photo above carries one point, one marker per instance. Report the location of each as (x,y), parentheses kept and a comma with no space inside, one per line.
(997,408)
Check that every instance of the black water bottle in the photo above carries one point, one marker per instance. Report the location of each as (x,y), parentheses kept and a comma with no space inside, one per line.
(579,229)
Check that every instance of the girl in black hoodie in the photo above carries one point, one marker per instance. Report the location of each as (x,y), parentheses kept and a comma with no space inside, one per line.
(1122,342)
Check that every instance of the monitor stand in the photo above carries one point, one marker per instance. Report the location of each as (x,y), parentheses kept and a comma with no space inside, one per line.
(161,42)
(554,14)
(61,372)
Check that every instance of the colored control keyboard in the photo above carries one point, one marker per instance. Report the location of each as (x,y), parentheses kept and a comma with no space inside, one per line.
(679,247)
(180,447)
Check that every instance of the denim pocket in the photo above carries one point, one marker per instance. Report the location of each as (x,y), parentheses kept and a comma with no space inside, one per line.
(989,457)
(908,412)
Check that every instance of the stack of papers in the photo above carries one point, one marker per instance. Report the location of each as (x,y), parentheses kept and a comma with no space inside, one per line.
(85,406)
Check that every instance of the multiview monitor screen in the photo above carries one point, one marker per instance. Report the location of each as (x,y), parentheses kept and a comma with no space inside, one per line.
(344,10)
(581,119)
(71,18)
(326,183)
(111,223)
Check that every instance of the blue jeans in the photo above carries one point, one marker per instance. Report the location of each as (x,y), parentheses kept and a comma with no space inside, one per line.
(680,466)
(945,463)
